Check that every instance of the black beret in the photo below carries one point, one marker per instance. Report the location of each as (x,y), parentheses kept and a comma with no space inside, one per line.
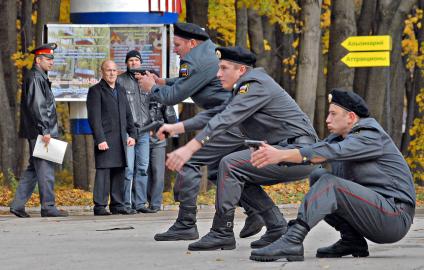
(45,50)
(236,54)
(190,31)
(350,101)
(133,53)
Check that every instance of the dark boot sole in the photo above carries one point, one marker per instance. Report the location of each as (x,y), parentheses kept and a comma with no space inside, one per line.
(227,247)
(290,258)
(176,237)
(354,254)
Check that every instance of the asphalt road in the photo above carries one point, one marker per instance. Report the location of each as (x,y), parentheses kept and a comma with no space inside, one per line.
(82,241)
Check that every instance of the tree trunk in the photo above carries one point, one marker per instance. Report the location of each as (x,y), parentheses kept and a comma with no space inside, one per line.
(197,12)
(48,11)
(321,98)
(365,25)
(307,72)
(272,66)
(7,131)
(256,36)
(241,25)
(392,14)
(286,50)
(343,25)
(412,90)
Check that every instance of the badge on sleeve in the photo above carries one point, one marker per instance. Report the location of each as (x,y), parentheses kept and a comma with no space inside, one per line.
(184,70)
(243,89)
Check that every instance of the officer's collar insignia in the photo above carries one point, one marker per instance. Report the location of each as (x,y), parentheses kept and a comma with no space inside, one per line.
(184,70)
(218,54)
(244,89)
(330,98)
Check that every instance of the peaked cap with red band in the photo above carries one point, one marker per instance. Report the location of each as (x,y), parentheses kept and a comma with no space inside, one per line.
(45,50)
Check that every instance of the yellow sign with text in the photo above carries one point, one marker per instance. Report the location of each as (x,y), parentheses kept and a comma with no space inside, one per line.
(367,59)
(368,43)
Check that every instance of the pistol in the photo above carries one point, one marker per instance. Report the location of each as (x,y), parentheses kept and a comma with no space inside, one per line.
(142,71)
(253,144)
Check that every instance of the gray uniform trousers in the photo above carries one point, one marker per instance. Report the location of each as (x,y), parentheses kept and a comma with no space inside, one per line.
(107,181)
(377,218)
(39,171)
(156,172)
(236,175)
(187,183)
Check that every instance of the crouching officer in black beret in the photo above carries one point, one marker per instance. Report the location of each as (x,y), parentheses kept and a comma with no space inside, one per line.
(38,117)
(197,79)
(263,111)
(368,194)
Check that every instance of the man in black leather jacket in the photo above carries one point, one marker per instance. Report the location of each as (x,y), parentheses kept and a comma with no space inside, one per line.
(38,118)
(135,185)
(161,114)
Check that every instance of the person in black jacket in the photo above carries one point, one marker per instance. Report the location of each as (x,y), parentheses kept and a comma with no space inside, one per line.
(110,118)
(38,117)
(161,114)
(135,185)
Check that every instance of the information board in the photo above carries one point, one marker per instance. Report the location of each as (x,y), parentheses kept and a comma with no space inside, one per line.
(82,48)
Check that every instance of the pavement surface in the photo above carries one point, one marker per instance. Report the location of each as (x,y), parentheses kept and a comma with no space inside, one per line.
(82,241)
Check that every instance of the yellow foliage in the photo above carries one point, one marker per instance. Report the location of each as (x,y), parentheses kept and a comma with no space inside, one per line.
(34,17)
(415,158)
(65,11)
(267,46)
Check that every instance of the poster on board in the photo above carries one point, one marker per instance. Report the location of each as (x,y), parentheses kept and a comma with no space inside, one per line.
(82,48)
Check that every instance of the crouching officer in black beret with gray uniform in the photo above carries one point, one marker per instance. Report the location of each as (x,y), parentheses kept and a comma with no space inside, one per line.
(369,193)
(197,79)
(38,117)
(263,111)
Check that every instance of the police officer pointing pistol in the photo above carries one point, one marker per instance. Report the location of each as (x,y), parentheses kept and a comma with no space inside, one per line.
(369,192)
(197,79)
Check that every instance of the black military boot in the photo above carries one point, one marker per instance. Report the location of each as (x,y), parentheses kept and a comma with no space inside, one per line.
(221,235)
(351,243)
(289,246)
(184,228)
(275,224)
(252,225)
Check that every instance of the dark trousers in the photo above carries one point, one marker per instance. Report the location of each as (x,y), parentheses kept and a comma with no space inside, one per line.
(39,172)
(156,172)
(239,180)
(187,183)
(377,218)
(109,181)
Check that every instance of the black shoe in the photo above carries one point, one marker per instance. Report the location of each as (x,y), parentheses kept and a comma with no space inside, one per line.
(289,246)
(145,210)
(221,235)
(101,212)
(252,226)
(123,211)
(175,234)
(19,213)
(275,224)
(213,241)
(356,248)
(154,209)
(54,213)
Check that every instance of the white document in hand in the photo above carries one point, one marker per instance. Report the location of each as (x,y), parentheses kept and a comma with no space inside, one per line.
(54,151)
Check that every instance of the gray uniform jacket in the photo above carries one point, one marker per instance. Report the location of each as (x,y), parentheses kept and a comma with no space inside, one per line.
(197,79)
(139,102)
(260,108)
(368,157)
(38,108)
